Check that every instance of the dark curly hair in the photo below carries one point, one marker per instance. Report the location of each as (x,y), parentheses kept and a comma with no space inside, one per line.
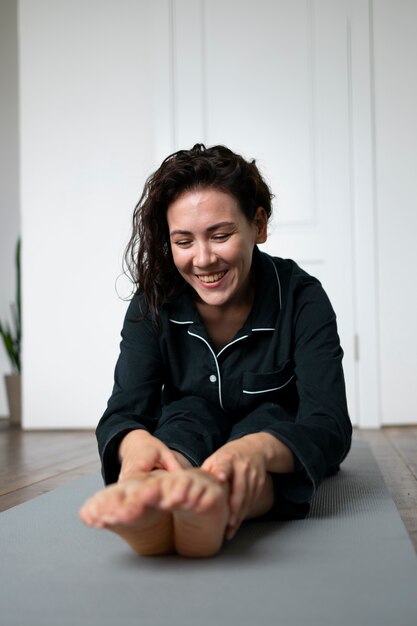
(148,255)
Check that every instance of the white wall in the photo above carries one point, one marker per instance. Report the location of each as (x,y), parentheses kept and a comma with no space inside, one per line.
(395,58)
(85,149)
(90,129)
(9,180)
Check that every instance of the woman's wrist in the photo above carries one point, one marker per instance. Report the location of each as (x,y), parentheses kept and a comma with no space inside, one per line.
(277,455)
(134,437)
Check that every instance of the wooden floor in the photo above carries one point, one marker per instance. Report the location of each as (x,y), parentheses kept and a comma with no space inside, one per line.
(35,462)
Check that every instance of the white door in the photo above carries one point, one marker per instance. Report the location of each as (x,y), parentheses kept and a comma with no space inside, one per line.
(272,79)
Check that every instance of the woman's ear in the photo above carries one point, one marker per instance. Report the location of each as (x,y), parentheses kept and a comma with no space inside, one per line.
(261,223)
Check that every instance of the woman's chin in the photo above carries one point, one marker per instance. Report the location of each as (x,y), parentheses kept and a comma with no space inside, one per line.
(212,299)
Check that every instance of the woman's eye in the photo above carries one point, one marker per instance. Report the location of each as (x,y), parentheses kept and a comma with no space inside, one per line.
(183,243)
(221,237)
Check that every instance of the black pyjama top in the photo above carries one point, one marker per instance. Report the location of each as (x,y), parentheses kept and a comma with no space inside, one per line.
(281,373)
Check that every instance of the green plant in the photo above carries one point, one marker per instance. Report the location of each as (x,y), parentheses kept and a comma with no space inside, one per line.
(12,335)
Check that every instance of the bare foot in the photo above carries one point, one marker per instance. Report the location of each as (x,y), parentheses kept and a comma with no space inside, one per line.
(129,508)
(159,512)
(201,515)
(198,503)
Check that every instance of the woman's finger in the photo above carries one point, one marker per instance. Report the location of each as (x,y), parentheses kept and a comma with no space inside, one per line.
(169,461)
(223,470)
(231,531)
(239,493)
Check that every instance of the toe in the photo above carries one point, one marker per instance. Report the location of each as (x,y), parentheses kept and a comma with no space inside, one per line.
(174,488)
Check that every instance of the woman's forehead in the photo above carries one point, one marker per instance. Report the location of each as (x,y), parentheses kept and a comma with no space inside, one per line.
(203,206)
(203,209)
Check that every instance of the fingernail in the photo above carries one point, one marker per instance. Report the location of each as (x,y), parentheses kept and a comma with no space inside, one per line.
(230,534)
(221,476)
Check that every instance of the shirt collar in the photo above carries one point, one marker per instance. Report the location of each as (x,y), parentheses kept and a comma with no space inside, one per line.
(268,298)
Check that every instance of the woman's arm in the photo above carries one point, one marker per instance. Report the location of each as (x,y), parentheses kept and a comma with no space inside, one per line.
(138,432)
(136,398)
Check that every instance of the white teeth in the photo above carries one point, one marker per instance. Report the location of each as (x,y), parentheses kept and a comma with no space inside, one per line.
(211,278)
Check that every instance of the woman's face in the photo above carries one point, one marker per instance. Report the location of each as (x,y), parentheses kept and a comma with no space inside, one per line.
(212,244)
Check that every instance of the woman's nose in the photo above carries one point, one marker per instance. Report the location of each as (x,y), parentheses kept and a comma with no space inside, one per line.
(204,255)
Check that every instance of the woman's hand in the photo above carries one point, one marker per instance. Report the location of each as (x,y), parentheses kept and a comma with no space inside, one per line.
(243,464)
(139,451)
(246,463)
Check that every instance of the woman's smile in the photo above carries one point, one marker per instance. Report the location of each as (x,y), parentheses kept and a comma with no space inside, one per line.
(212,279)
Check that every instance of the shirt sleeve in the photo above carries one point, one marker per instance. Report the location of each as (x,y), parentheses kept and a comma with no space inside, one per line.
(319,435)
(135,402)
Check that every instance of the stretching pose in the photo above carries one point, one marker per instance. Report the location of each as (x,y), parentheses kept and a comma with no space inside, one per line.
(229,399)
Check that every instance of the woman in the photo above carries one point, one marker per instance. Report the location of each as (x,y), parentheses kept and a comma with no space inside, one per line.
(229,400)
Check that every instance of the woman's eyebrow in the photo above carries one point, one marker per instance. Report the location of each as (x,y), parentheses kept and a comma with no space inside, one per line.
(220,225)
(180,232)
(209,229)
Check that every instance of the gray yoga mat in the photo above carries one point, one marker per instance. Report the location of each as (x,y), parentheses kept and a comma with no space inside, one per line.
(349,563)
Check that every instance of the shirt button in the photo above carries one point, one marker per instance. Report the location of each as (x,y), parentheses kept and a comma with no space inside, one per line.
(212,378)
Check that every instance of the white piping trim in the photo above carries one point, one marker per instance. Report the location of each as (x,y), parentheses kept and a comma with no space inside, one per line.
(279,283)
(231,343)
(254,330)
(177,322)
(217,365)
(273,388)
(240,339)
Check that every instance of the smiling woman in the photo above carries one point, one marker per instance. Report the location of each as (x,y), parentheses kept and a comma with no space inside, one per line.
(214,256)
(212,245)
(229,399)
